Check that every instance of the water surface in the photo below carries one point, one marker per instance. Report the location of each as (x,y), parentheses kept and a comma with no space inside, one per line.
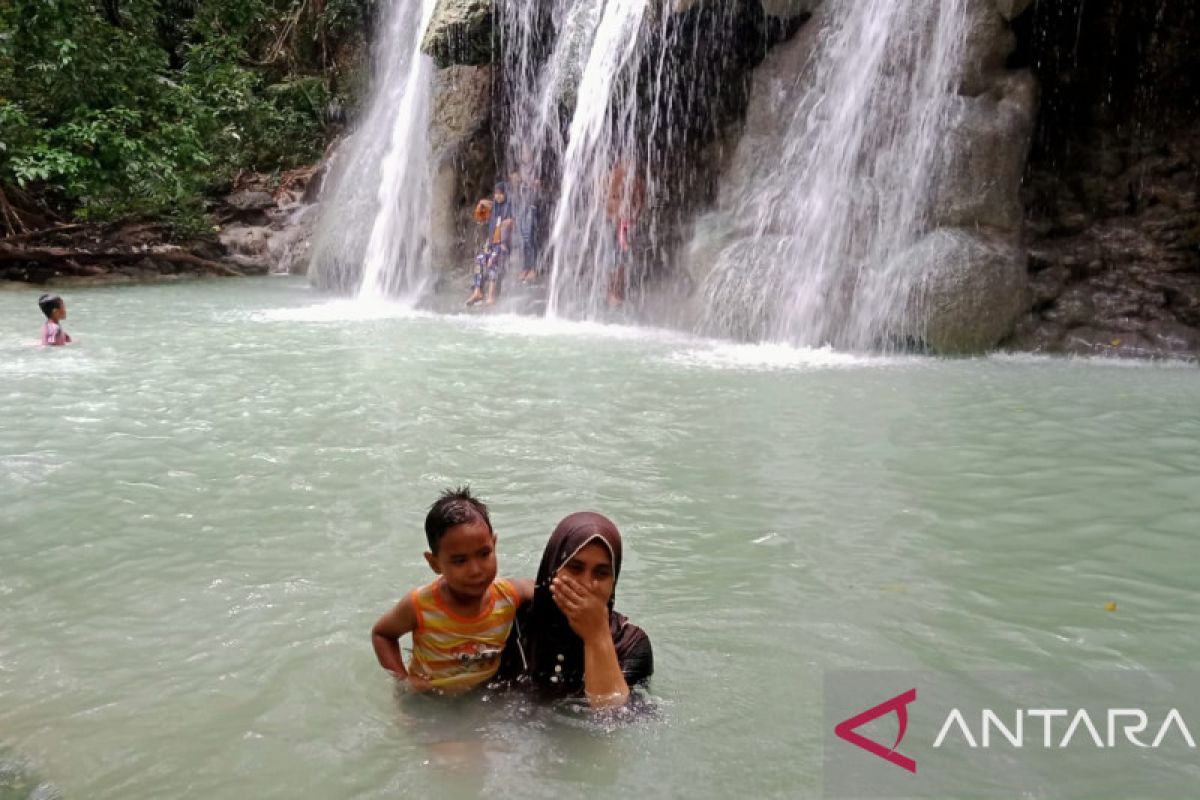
(208,500)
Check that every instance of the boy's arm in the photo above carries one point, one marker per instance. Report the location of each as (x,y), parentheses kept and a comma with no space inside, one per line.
(524,588)
(385,636)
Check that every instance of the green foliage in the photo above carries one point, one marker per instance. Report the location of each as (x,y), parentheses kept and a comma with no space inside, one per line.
(111,108)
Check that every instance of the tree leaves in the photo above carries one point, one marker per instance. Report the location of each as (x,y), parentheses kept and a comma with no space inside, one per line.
(110,110)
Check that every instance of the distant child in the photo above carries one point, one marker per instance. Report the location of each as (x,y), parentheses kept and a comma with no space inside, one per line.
(460,622)
(490,263)
(56,311)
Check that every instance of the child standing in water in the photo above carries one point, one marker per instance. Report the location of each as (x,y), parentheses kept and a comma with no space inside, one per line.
(56,311)
(460,622)
(489,265)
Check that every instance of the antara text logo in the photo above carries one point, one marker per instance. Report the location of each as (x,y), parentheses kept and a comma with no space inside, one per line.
(1046,728)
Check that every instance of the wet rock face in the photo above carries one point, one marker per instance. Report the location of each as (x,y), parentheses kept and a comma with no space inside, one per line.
(970,284)
(460,32)
(1112,189)
(465,161)
(979,185)
(1117,254)
(971,291)
(265,231)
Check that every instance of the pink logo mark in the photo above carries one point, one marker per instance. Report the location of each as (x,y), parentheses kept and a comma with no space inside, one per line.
(899,704)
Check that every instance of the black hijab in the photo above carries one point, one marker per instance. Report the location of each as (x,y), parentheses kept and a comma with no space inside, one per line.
(553,653)
(501,212)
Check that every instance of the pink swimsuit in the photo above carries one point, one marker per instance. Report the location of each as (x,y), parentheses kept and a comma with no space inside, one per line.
(52,333)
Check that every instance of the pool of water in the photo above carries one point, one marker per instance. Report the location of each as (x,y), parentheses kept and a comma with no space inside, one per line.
(206,502)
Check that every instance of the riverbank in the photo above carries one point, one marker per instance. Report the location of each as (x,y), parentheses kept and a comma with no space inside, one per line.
(262,227)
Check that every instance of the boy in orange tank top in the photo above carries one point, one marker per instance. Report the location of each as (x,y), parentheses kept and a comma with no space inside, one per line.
(460,622)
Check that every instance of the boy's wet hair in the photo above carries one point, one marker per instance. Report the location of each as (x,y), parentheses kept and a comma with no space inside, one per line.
(453,507)
(48,302)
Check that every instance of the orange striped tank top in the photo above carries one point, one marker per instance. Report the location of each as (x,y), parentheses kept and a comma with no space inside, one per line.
(456,653)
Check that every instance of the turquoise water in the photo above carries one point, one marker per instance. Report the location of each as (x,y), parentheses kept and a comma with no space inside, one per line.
(206,503)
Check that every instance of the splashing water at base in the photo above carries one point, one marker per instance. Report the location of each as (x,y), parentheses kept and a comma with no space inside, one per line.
(819,211)
(373,237)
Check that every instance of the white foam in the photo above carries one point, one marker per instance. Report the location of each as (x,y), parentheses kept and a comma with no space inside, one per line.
(520,325)
(724,355)
(35,359)
(1046,359)
(343,310)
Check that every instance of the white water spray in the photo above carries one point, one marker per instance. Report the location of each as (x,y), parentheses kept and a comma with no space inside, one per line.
(821,214)
(373,238)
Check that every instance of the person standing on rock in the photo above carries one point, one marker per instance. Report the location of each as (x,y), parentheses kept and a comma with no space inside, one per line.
(527,189)
(626,199)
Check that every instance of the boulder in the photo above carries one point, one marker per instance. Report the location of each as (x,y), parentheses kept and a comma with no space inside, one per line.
(461,107)
(768,114)
(250,200)
(987,43)
(464,158)
(291,247)
(970,292)
(460,32)
(979,181)
(244,239)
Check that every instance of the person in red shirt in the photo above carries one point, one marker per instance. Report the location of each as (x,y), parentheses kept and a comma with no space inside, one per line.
(626,199)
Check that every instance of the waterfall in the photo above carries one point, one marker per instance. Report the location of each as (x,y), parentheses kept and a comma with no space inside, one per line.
(373,235)
(814,216)
(572,111)
(603,97)
(580,244)
(611,116)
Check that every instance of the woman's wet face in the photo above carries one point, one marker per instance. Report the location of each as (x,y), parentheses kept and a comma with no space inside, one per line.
(592,567)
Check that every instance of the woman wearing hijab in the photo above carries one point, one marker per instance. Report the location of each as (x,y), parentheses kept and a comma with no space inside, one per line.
(489,264)
(570,640)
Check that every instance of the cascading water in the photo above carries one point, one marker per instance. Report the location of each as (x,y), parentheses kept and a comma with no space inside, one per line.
(572,109)
(581,239)
(816,217)
(374,230)
(598,120)
(598,112)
